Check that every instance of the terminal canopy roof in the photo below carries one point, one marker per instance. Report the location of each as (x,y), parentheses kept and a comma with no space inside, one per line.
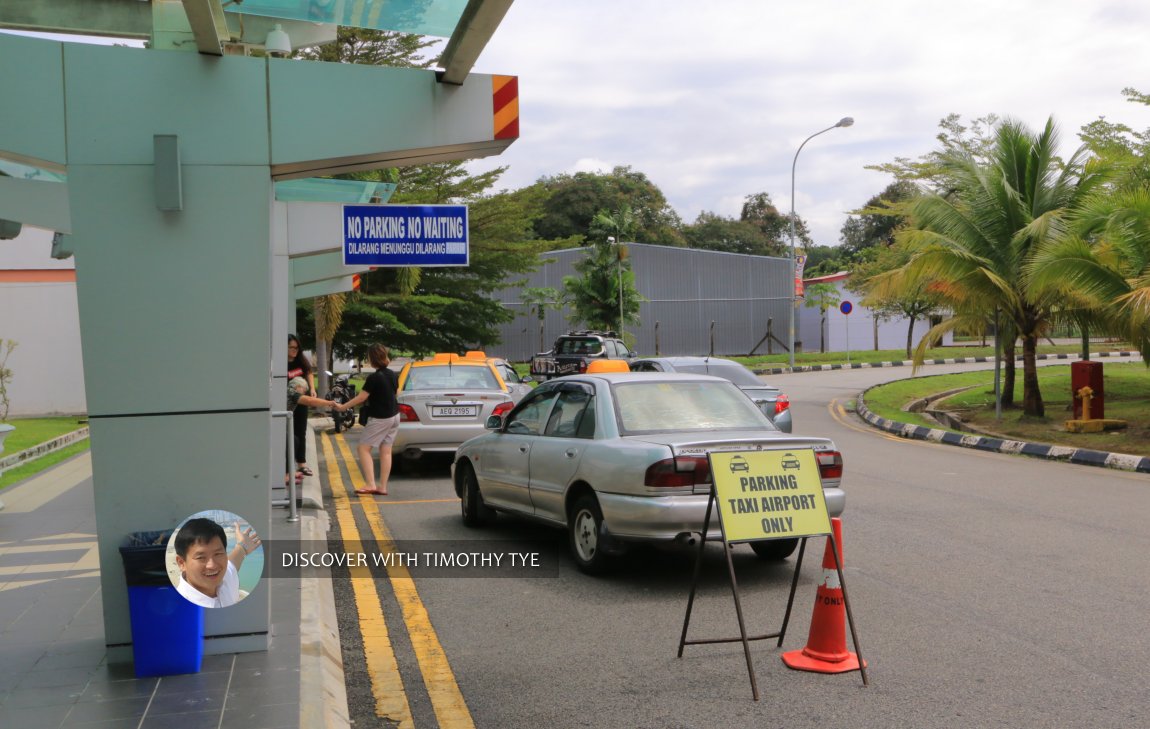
(469,24)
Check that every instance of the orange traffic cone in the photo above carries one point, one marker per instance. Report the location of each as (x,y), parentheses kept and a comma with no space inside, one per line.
(826,650)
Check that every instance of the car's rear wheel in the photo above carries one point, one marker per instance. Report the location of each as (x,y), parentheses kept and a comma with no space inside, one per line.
(585,532)
(475,512)
(775,550)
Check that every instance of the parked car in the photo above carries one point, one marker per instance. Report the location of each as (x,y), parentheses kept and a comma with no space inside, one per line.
(620,457)
(574,351)
(517,386)
(770,399)
(445,400)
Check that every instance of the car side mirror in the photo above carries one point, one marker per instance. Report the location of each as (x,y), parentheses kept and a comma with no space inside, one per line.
(527,378)
(632,355)
(494,422)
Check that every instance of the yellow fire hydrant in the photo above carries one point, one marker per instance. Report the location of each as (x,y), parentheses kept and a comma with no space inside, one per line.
(1085,394)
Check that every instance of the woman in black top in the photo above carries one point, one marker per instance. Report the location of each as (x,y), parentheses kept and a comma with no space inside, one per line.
(383,420)
(299,366)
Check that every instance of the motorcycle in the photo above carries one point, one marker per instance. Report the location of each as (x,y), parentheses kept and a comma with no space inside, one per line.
(341,391)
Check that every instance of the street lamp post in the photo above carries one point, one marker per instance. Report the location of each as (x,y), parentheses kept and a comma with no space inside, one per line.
(846,121)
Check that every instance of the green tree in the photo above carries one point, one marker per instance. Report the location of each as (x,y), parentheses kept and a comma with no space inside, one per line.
(822,296)
(916,299)
(372,48)
(775,227)
(875,224)
(975,139)
(538,300)
(977,239)
(825,260)
(603,294)
(1099,266)
(715,233)
(1117,140)
(572,201)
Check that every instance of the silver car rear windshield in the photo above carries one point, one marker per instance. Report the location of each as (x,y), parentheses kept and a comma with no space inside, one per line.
(667,407)
(456,377)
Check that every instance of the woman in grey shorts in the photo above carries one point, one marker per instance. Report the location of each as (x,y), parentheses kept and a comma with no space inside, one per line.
(383,420)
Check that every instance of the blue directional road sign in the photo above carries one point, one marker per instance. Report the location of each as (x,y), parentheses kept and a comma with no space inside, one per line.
(405,235)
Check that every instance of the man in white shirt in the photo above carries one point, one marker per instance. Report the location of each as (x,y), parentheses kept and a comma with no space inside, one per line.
(209,576)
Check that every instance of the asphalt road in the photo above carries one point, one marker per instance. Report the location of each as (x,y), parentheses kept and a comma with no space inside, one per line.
(988,590)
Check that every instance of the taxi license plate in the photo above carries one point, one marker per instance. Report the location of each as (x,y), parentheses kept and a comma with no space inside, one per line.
(454,411)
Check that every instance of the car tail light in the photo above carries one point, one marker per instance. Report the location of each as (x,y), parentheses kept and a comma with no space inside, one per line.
(830,464)
(678,472)
(407,414)
(503,408)
(782,402)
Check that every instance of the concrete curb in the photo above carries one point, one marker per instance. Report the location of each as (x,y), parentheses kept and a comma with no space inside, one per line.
(1081,456)
(910,363)
(38,451)
(323,685)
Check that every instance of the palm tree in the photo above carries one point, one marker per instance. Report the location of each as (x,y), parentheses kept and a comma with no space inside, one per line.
(603,294)
(976,238)
(1101,266)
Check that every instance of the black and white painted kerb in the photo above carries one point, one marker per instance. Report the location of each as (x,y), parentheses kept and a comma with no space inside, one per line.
(1081,456)
(909,363)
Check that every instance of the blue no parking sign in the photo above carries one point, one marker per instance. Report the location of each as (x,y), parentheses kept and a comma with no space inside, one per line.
(846,307)
(405,235)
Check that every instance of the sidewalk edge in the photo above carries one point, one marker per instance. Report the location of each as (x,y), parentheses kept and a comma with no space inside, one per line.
(1080,456)
(947,361)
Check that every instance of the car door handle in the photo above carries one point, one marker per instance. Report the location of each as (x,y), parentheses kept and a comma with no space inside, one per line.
(524,448)
(571,452)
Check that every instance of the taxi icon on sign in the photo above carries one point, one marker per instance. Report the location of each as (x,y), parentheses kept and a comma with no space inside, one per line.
(789,462)
(738,463)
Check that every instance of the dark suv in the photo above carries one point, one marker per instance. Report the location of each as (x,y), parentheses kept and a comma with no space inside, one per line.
(575,350)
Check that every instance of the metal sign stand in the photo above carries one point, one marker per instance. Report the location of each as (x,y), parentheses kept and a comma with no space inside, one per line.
(781,633)
(743,637)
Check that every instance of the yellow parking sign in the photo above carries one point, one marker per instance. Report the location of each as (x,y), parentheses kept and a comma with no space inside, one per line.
(772,494)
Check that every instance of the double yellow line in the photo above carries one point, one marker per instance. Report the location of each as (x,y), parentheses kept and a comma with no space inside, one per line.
(387,685)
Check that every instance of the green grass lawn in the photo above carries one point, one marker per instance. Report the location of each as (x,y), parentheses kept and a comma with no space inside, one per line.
(1126,388)
(32,432)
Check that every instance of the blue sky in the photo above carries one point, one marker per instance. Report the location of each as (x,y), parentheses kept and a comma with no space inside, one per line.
(711,100)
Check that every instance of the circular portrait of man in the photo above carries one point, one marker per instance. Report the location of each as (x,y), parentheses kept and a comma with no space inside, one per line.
(215,559)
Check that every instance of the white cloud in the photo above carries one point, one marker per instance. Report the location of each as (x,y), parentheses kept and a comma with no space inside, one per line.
(712,100)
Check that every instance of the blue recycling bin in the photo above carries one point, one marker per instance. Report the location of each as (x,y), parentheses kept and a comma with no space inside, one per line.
(167,630)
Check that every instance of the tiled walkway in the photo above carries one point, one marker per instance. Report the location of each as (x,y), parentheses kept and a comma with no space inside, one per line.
(53,668)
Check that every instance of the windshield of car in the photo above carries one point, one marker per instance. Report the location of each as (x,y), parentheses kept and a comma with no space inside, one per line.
(579,345)
(664,407)
(736,373)
(453,377)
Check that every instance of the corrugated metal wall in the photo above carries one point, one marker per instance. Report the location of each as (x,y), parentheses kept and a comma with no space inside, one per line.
(686,290)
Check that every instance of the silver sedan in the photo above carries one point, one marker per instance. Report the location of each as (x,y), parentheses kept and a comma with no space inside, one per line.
(619,457)
(773,401)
